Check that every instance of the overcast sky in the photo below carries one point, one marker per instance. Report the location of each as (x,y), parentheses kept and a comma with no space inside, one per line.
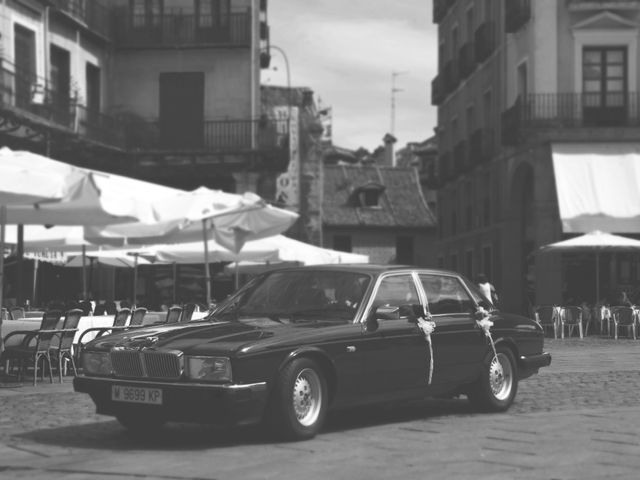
(346,50)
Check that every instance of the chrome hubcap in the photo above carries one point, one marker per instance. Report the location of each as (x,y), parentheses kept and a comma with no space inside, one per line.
(500,377)
(307,397)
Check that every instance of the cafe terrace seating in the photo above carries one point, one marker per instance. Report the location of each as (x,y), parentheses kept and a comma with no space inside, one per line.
(625,318)
(34,347)
(119,323)
(137,318)
(547,317)
(62,350)
(570,319)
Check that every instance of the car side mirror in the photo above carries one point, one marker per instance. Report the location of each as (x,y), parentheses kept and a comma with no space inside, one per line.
(372,324)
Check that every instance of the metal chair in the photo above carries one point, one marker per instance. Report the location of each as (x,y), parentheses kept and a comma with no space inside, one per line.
(571,318)
(17,313)
(545,316)
(34,346)
(119,323)
(173,314)
(624,317)
(187,312)
(63,351)
(137,318)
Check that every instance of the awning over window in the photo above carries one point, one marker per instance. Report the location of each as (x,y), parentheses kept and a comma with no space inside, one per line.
(598,186)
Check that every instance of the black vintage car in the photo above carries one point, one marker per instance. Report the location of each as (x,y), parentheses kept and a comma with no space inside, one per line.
(294,343)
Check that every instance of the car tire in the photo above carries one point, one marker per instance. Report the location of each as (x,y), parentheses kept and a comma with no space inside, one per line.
(497,386)
(298,404)
(140,424)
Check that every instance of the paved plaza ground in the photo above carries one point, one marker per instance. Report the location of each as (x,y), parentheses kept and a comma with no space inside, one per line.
(578,419)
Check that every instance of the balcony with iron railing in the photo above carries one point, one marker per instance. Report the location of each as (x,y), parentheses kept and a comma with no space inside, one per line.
(555,113)
(182,29)
(214,135)
(517,14)
(485,40)
(94,14)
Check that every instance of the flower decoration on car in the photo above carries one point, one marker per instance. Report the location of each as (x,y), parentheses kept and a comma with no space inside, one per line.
(427,325)
(483,321)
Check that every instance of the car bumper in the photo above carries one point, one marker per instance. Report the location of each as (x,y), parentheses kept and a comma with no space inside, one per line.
(225,405)
(530,364)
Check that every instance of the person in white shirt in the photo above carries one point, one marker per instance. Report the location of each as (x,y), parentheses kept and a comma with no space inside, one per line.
(487,289)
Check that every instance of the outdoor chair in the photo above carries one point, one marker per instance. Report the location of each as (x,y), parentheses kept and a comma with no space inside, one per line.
(63,351)
(624,317)
(586,318)
(119,324)
(187,312)
(34,346)
(173,314)
(137,318)
(16,313)
(601,317)
(571,319)
(544,315)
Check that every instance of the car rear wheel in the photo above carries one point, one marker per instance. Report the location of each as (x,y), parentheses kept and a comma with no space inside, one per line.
(496,388)
(299,402)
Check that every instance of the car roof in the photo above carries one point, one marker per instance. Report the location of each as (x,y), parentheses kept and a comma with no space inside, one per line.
(368,268)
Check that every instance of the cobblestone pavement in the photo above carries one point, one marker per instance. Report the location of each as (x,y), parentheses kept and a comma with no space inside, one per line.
(578,419)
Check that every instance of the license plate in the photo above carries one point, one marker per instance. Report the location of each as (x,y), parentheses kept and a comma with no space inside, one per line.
(151,396)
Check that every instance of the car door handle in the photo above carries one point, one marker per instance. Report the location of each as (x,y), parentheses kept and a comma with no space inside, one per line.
(351,348)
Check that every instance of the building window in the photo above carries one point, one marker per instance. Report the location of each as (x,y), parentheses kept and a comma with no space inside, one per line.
(146,12)
(487,259)
(342,243)
(469,263)
(25,63)
(604,85)
(212,13)
(404,250)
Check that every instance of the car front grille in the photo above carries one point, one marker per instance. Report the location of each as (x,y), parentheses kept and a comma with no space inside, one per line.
(161,365)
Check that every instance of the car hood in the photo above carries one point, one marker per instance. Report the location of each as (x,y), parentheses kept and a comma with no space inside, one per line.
(204,338)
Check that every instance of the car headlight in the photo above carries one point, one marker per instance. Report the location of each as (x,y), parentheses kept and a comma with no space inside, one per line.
(96,363)
(209,369)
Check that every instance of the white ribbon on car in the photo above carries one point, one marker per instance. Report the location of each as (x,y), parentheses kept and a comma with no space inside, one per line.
(428,326)
(485,324)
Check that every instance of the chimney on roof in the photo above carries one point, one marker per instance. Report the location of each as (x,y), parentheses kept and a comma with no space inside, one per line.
(389,154)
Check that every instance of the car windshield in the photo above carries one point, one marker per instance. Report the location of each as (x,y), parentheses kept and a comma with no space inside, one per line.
(290,296)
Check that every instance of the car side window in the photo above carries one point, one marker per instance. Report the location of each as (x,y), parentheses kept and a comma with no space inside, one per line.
(396,290)
(446,295)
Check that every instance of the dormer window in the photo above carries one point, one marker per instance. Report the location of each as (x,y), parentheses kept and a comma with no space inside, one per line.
(367,195)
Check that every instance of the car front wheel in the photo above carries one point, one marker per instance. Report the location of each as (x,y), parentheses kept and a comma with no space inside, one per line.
(299,401)
(496,388)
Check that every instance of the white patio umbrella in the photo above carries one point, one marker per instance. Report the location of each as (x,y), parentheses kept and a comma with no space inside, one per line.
(595,242)
(36,190)
(230,219)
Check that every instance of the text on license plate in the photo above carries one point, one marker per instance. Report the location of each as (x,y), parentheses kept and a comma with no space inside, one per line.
(120,393)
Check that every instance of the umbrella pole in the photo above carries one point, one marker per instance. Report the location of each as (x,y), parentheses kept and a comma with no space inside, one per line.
(35,282)
(135,278)
(3,221)
(207,274)
(597,277)
(84,272)
(175,278)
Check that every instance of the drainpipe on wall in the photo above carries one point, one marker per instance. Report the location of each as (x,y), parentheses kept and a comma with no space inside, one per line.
(255,44)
